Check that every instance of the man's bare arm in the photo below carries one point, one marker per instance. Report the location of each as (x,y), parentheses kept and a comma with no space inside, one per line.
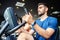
(45,33)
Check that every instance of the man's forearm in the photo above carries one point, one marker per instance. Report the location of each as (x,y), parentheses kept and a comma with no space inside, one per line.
(41,31)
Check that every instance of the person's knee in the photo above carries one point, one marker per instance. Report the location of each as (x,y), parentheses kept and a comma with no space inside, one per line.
(23,35)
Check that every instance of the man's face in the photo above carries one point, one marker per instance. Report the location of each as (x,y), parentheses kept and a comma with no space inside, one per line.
(41,10)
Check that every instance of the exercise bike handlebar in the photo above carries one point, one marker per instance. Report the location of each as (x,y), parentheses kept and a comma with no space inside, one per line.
(3,28)
(14,29)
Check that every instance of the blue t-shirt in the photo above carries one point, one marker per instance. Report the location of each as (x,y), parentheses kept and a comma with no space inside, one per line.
(49,22)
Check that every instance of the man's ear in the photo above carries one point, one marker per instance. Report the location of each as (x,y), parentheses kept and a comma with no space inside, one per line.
(46,9)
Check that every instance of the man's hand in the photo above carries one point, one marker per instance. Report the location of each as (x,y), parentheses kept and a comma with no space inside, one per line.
(28,18)
(21,30)
(27,26)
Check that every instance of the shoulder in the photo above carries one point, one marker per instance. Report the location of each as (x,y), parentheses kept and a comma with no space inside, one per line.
(52,18)
(53,21)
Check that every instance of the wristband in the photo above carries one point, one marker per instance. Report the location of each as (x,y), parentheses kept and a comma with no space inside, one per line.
(33,25)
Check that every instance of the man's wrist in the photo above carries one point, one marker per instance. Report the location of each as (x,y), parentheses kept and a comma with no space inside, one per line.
(32,21)
(32,25)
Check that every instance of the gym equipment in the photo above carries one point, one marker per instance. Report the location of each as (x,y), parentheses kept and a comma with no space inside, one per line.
(20,4)
(10,25)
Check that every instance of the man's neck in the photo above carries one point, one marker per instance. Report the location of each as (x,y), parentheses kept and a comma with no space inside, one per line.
(43,17)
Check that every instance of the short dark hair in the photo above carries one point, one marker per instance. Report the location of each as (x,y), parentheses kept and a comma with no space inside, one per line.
(45,4)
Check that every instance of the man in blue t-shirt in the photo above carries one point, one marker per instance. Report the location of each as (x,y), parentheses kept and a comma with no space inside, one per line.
(45,26)
(47,29)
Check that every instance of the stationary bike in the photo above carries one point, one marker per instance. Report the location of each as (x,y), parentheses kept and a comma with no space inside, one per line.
(10,25)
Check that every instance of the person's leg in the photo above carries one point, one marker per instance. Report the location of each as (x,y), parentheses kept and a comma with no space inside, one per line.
(21,37)
(25,36)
